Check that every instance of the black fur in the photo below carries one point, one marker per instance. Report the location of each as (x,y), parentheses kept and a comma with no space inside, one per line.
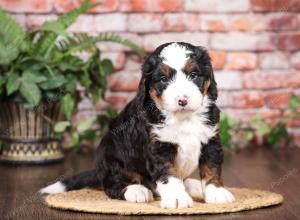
(129,150)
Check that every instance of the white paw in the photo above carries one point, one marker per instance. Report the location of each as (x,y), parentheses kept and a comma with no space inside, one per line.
(194,188)
(215,194)
(177,200)
(173,194)
(138,193)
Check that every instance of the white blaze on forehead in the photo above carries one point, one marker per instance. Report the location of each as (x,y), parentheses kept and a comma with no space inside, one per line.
(175,56)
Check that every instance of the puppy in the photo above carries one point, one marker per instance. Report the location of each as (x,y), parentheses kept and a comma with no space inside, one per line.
(162,136)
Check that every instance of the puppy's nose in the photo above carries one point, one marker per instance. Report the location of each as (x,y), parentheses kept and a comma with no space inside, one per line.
(182,102)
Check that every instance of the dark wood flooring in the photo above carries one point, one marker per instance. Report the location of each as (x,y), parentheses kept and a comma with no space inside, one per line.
(277,171)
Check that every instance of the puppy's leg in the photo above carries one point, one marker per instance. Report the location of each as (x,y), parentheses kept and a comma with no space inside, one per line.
(194,188)
(127,187)
(210,172)
(171,189)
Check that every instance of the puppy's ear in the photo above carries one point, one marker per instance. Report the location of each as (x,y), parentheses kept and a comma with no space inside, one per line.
(204,61)
(147,70)
(149,65)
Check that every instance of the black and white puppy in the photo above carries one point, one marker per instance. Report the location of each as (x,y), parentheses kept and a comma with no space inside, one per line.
(162,136)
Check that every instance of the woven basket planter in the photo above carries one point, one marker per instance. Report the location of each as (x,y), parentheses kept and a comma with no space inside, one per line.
(26,136)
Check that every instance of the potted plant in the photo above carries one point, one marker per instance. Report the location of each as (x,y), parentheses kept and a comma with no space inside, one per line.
(39,78)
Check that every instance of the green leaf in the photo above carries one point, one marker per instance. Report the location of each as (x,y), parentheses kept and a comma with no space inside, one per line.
(106,66)
(31,92)
(55,27)
(53,81)
(11,37)
(248,135)
(279,132)
(89,135)
(263,130)
(61,126)
(225,131)
(67,105)
(85,79)
(294,102)
(71,83)
(34,76)
(74,139)
(84,125)
(13,83)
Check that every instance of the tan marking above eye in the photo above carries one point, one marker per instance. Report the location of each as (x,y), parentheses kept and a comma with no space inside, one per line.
(190,66)
(166,71)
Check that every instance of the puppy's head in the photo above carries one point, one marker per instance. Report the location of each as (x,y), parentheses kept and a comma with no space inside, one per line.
(178,76)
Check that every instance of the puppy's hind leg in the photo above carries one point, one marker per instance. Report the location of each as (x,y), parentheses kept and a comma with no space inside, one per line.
(125,187)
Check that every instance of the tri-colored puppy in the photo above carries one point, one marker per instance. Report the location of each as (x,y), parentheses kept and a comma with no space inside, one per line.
(163,135)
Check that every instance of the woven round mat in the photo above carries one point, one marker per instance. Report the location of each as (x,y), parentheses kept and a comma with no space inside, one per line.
(95,201)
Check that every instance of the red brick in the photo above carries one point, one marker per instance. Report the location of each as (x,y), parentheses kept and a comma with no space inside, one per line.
(20,19)
(132,64)
(296,60)
(241,41)
(248,99)
(287,41)
(84,23)
(266,80)
(294,80)
(248,22)
(274,60)
(124,81)
(118,59)
(215,6)
(293,123)
(145,23)
(119,99)
(218,59)
(275,5)
(151,41)
(296,136)
(105,6)
(214,23)
(180,22)
(282,22)
(151,6)
(241,61)
(277,99)
(33,6)
(228,80)
(224,99)
(110,22)
(34,21)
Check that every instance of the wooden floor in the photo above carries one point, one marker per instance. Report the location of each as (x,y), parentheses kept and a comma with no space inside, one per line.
(255,168)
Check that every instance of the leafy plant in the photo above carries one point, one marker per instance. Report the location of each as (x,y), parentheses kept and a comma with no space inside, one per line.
(235,133)
(38,65)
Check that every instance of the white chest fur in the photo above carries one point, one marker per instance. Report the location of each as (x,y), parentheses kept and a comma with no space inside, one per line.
(188,133)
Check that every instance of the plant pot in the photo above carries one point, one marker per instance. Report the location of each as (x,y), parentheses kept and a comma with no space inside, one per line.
(26,136)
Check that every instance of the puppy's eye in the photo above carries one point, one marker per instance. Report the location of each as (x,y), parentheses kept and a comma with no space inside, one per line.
(193,75)
(163,79)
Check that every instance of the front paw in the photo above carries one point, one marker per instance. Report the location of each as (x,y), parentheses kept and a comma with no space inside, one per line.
(213,194)
(176,200)
(173,194)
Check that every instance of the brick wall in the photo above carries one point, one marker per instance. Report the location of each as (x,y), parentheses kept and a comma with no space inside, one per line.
(254,44)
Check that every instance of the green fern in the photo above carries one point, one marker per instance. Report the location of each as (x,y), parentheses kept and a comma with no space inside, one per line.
(11,37)
(46,43)
(82,41)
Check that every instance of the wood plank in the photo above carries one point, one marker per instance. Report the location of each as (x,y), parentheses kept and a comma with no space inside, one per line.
(255,168)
